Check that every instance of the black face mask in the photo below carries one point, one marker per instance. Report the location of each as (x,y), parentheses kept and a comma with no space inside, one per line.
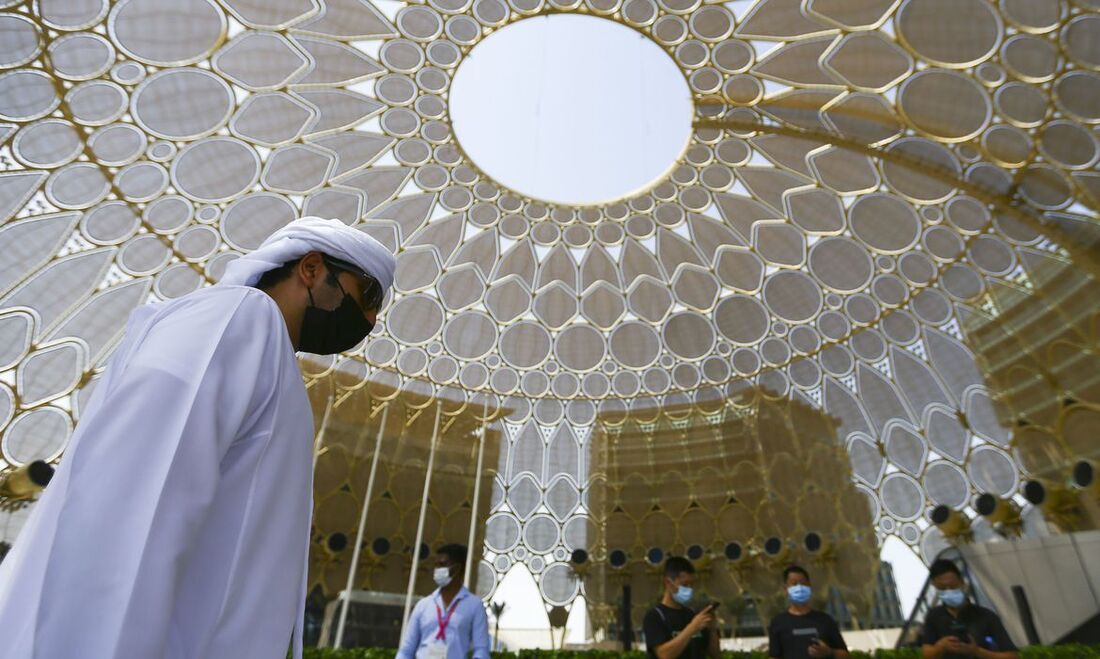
(329,332)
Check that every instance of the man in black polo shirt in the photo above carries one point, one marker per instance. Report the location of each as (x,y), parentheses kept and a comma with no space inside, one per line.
(958,628)
(674,631)
(800,631)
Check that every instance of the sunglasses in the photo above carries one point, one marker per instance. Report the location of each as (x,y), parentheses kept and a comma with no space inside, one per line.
(373,294)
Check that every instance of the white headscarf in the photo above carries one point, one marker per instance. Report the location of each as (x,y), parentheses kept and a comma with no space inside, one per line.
(312,234)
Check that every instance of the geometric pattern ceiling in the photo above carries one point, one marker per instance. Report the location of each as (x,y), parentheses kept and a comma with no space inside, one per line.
(795,248)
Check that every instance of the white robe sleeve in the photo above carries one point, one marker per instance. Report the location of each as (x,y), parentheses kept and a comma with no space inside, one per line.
(145,470)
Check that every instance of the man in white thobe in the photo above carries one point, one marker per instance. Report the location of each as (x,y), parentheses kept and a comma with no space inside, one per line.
(177,524)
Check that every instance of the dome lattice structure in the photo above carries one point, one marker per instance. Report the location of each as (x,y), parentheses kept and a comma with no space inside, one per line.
(887,212)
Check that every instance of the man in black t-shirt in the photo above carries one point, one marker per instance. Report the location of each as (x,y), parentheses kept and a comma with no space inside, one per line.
(801,632)
(674,631)
(959,628)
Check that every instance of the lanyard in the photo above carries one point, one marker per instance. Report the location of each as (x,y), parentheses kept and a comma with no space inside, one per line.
(444,621)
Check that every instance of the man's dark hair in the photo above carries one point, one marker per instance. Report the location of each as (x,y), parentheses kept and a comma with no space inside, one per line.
(677,565)
(272,277)
(456,553)
(941,567)
(283,272)
(795,569)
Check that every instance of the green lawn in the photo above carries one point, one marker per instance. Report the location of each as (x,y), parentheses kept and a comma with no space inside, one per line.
(1036,652)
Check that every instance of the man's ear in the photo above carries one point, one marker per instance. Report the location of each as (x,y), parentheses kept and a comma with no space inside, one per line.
(310,268)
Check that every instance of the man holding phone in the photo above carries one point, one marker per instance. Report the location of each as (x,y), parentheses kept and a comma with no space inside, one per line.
(672,630)
(800,631)
(959,628)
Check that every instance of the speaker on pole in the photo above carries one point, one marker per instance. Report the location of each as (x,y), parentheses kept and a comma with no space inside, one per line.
(1084,478)
(954,525)
(578,560)
(21,485)
(1059,504)
(336,543)
(776,550)
(735,553)
(1003,514)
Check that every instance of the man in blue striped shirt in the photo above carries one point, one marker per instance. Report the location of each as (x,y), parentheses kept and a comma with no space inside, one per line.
(451,622)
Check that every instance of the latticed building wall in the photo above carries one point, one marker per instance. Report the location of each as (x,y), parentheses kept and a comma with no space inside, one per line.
(743,487)
(892,185)
(1036,339)
(350,414)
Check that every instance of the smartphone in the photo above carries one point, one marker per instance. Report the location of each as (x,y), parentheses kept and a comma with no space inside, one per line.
(713,606)
(959,631)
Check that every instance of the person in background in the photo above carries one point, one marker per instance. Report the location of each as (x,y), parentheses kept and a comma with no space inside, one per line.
(958,627)
(451,622)
(672,629)
(801,631)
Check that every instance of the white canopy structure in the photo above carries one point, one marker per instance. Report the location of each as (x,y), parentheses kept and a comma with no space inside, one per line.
(886,212)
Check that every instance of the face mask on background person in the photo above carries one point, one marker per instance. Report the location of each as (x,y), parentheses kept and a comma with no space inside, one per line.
(953,598)
(683,595)
(799,594)
(442,576)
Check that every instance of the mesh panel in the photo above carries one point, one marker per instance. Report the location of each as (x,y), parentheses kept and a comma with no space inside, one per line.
(930,318)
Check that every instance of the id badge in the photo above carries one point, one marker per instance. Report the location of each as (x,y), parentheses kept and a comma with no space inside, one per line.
(437,650)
